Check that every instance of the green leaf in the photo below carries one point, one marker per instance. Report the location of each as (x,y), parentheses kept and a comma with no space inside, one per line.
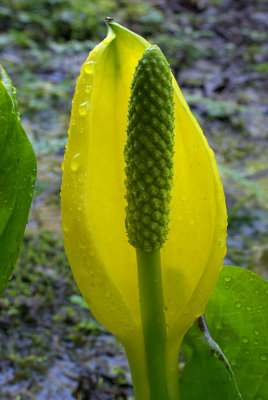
(236,359)
(207,374)
(237,317)
(5,79)
(17,178)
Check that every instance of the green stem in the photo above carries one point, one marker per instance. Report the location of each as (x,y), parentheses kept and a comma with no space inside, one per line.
(153,321)
(138,363)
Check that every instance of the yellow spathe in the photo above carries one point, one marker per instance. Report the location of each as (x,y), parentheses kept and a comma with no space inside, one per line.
(93,204)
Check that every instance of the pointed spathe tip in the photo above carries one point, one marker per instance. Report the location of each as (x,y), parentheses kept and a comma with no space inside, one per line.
(108,19)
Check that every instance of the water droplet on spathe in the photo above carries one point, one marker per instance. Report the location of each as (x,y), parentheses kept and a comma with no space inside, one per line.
(228,279)
(83,109)
(238,305)
(89,67)
(75,163)
(88,89)
(256,332)
(264,357)
(221,245)
(244,339)
(65,228)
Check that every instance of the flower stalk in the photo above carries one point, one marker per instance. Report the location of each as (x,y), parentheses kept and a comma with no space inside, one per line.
(153,321)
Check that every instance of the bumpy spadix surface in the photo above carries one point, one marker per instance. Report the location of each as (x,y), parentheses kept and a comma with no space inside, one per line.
(93,203)
(149,152)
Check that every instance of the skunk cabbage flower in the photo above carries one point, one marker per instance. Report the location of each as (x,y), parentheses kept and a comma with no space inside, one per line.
(96,199)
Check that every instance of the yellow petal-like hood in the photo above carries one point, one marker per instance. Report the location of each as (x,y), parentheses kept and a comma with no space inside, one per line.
(93,204)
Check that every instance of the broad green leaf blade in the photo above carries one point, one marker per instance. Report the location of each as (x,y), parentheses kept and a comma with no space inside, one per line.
(10,88)
(207,374)
(237,318)
(17,178)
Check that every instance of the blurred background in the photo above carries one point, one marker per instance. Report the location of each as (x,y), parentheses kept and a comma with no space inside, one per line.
(50,346)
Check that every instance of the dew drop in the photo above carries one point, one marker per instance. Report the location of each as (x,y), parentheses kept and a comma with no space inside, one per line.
(233,363)
(221,245)
(83,109)
(219,325)
(244,339)
(228,279)
(65,228)
(238,305)
(75,163)
(89,67)
(256,291)
(249,308)
(256,342)
(256,332)
(88,89)
(264,357)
